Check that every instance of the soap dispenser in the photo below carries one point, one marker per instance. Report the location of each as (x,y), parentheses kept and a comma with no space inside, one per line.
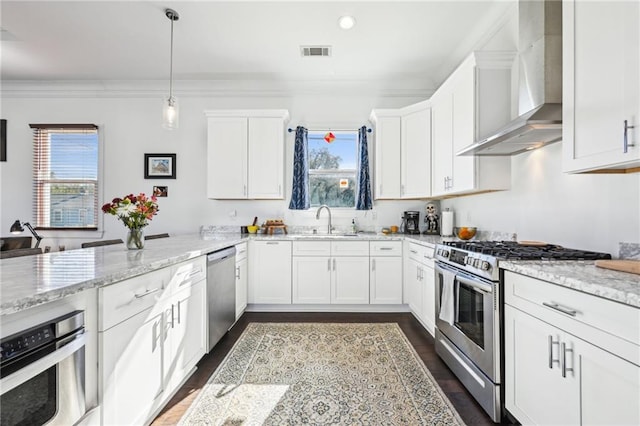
(354,229)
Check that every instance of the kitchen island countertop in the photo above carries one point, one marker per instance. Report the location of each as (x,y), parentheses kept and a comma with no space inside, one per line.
(583,276)
(34,280)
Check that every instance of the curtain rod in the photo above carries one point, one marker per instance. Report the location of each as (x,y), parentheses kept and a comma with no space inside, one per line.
(290,130)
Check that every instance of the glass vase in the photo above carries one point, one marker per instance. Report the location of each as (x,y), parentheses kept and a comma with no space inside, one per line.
(135,238)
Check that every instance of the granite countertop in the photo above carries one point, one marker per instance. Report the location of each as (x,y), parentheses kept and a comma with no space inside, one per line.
(34,280)
(583,276)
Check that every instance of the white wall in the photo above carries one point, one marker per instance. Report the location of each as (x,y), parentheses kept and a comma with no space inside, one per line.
(131,127)
(585,211)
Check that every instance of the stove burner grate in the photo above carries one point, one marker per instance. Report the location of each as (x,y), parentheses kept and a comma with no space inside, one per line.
(514,251)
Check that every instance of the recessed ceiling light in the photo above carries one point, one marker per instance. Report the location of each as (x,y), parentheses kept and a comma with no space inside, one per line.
(346,22)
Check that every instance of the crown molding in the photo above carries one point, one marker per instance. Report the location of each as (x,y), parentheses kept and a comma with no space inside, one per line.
(398,87)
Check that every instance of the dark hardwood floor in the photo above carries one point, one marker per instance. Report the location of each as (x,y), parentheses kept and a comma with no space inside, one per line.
(421,340)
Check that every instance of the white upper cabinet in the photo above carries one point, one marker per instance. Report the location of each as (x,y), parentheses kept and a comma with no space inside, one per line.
(473,101)
(402,152)
(387,154)
(245,154)
(415,152)
(601,86)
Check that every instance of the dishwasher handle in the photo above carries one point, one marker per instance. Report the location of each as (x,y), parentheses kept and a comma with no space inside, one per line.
(220,255)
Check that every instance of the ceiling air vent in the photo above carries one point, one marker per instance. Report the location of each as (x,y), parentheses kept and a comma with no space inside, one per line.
(315,51)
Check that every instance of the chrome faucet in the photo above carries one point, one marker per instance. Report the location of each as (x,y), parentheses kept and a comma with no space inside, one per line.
(324,206)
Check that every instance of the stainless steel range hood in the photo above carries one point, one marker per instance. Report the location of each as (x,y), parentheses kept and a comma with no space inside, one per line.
(539,88)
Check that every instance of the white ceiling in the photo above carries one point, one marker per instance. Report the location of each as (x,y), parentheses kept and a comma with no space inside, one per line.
(241,40)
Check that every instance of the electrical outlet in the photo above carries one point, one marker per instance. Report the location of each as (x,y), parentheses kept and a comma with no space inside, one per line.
(233,214)
(374,215)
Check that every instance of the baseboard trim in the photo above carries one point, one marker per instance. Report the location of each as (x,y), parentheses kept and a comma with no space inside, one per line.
(326,308)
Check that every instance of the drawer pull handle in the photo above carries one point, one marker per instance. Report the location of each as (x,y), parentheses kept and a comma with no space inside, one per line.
(194,273)
(564,310)
(146,293)
(414,251)
(386,248)
(272,243)
(551,344)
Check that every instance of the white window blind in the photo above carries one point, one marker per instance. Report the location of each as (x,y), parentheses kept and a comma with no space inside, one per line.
(65,176)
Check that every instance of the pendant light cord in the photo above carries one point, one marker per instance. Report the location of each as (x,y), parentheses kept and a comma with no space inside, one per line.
(171,64)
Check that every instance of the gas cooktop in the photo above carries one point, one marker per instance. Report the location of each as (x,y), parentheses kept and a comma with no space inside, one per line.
(481,258)
(517,251)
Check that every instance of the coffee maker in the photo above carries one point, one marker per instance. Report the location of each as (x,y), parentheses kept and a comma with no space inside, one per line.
(411,222)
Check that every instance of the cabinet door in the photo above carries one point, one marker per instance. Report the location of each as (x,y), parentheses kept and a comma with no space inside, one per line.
(386,280)
(609,387)
(227,158)
(186,342)
(241,286)
(463,129)
(428,298)
(601,84)
(535,391)
(270,272)
(131,369)
(442,113)
(350,280)
(311,279)
(387,159)
(416,154)
(265,158)
(414,287)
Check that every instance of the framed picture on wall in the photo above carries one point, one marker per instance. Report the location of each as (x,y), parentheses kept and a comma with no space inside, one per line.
(160,166)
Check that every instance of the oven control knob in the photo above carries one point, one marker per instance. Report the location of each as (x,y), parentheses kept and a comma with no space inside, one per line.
(444,253)
(485,266)
(468,260)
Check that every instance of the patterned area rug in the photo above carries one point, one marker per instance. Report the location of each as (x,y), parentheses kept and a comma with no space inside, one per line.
(321,374)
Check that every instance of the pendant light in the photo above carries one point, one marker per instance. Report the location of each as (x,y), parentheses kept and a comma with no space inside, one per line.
(170,104)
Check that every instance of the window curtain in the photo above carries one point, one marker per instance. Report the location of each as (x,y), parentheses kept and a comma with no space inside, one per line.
(300,187)
(363,185)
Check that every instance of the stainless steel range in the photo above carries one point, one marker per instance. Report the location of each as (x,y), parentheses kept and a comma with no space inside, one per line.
(469,309)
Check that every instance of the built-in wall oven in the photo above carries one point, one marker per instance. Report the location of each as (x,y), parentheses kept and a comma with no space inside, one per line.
(469,309)
(42,373)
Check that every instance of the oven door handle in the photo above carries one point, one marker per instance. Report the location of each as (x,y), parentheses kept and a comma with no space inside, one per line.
(29,371)
(478,285)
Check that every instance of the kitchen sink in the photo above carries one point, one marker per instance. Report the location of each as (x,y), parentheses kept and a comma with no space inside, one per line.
(326,236)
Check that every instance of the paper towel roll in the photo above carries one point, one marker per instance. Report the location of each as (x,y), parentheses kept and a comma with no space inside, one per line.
(446,230)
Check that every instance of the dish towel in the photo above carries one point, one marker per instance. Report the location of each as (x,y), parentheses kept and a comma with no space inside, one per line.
(447,306)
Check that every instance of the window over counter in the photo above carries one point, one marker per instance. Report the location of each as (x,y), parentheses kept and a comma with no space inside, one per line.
(65,176)
(332,168)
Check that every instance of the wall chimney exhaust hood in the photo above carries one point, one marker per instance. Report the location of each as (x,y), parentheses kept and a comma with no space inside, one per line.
(539,88)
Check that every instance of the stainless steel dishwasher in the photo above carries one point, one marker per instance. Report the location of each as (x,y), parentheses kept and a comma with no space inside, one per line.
(221,293)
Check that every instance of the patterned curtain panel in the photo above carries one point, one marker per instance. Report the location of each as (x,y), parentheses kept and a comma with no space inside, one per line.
(300,188)
(363,185)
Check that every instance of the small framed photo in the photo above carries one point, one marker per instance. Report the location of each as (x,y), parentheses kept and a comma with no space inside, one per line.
(161,191)
(160,166)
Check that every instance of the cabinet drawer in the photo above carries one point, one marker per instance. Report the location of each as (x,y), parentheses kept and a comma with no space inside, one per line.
(386,248)
(588,312)
(420,253)
(241,251)
(350,248)
(186,273)
(124,299)
(311,248)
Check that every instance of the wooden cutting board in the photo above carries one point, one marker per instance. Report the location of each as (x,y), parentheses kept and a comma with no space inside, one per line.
(632,266)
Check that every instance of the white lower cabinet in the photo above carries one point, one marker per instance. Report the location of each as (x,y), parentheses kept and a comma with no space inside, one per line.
(312,279)
(242,278)
(350,283)
(270,272)
(151,335)
(385,279)
(420,284)
(331,272)
(131,363)
(568,368)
